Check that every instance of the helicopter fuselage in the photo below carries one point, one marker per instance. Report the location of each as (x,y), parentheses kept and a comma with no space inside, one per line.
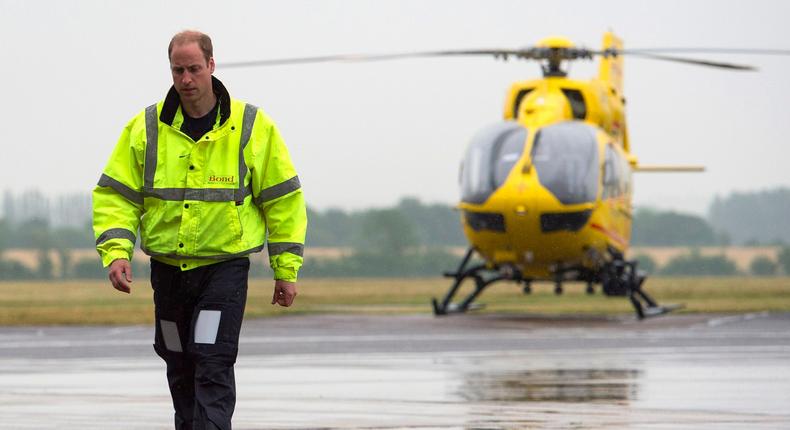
(548,191)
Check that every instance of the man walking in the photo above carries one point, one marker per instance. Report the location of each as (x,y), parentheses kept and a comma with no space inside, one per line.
(206,179)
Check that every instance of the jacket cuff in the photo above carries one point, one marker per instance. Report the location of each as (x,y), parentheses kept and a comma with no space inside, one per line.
(285,274)
(108,257)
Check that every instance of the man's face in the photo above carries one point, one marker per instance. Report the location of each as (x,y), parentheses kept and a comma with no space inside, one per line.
(191,72)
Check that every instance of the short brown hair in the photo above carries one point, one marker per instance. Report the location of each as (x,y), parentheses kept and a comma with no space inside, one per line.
(189,36)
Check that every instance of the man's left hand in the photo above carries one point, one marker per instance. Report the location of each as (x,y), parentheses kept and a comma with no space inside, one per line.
(284,293)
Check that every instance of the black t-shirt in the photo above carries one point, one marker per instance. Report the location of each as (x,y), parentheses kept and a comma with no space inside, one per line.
(197,127)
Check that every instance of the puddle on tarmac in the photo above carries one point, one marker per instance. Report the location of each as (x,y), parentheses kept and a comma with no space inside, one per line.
(552,385)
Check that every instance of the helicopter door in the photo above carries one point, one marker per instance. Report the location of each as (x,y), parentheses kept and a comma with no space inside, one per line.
(489,159)
(565,156)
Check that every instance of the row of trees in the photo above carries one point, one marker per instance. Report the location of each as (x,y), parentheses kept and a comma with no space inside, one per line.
(432,262)
(39,236)
(66,268)
(696,264)
(741,218)
(422,263)
(439,224)
(753,217)
(667,228)
(408,239)
(36,233)
(427,262)
(410,222)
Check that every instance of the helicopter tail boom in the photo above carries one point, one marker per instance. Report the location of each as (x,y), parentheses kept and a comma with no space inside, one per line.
(668,168)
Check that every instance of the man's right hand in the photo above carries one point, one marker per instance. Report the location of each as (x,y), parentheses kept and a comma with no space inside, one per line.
(121,275)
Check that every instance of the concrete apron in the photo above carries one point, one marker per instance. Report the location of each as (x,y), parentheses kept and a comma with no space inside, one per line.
(686,387)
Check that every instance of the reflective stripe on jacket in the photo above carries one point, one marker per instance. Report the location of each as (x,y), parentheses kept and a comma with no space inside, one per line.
(199,202)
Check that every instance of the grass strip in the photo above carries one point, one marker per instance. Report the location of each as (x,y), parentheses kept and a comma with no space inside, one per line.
(96,302)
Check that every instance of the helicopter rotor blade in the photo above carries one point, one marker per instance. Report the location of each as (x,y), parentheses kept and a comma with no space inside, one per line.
(496,53)
(654,54)
(528,53)
(661,54)
(693,50)
(697,62)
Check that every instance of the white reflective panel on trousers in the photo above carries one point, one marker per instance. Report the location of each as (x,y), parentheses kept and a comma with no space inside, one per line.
(170,335)
(206,326)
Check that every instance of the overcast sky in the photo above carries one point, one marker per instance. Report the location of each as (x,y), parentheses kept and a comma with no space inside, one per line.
(74,72)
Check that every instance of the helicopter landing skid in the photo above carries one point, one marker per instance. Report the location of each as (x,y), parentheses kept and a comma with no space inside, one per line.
(623,279)
(646,307)
(447,306)
(618,278)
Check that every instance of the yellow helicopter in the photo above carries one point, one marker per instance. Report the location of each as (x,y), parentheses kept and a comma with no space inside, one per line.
(546,193)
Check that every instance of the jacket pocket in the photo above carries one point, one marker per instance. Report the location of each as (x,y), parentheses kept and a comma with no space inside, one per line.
(160,226)
(237,212)
(220,230)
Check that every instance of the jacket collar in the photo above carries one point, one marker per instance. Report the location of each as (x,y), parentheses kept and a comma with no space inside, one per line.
(173,102)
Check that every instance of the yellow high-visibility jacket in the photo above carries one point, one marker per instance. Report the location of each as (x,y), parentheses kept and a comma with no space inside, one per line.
(197,203)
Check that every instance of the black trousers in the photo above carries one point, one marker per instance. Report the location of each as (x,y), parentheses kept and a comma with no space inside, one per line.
(198,319)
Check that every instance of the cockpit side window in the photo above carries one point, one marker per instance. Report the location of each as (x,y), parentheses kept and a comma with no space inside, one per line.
(517,101)
(627,182)
(611,174)
(616,174)
(576,100)
(565,156)
(489,159)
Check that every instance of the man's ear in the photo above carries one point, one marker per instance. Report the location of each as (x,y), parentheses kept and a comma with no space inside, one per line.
(211,65)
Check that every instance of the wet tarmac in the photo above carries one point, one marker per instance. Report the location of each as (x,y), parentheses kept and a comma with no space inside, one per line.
(461,372)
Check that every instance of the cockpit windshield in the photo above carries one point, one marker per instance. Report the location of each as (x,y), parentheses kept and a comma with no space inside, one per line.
(565,156)
(489,160)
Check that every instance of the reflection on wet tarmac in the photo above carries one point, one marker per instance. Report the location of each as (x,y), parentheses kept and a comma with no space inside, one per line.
(552,385)
(682,372)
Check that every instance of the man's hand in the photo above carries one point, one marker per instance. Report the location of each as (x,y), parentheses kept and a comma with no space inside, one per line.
(121,275)
(284,293)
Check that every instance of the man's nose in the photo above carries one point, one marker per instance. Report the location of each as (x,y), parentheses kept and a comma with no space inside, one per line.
(186,78)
